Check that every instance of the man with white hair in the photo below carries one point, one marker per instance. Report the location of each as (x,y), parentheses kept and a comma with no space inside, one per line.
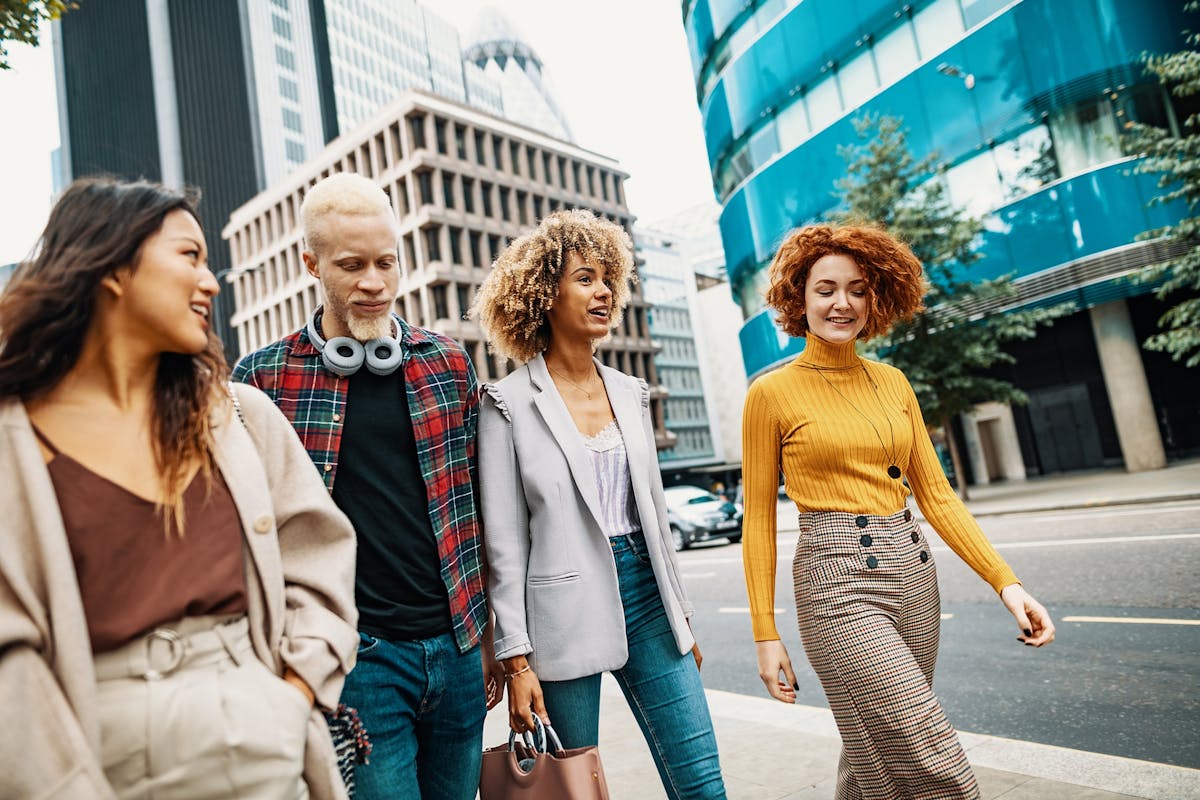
(387,412)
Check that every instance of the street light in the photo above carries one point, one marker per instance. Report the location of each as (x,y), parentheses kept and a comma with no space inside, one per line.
(952,71)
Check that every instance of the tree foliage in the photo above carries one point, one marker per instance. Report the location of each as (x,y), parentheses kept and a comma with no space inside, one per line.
(1176,160)
(947,350)
(20,20)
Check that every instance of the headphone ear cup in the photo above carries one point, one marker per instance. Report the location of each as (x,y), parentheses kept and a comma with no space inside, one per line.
(343,355)
(383,356)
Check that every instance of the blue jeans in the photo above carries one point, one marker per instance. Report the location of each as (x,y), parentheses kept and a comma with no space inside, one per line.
(662,688)
(422,704)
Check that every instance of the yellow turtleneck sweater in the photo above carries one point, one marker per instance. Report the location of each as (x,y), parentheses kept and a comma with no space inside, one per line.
(811,418)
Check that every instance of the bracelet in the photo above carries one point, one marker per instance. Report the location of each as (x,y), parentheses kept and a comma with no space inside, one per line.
(508,676)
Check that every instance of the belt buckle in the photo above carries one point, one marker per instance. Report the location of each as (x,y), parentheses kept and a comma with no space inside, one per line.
(177,646)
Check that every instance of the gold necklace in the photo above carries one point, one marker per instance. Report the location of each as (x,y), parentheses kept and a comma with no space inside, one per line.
(573,383)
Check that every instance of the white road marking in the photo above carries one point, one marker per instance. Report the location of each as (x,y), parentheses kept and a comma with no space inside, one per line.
(1135,620)
(699,574)
(1101,511)
(947,616)
(1160,537)
(743,610)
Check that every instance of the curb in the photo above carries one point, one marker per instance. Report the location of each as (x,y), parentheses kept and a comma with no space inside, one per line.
(1141,779)
(1079,506)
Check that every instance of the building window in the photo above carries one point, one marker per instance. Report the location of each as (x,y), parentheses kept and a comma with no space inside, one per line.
(514,155)
(425,187)
(410,251)
(448,189)
(280,3)
(468,193)
(858,79)
(291,120)
(460,142)
(575,175)
(463,292)
(537,209)
(896,53)
(604,186)
(294,151)
(456,245)
(522,210)
(531,159)
(479,149)
(591,181)
(485,190)
(938,25)
(473,239)
(497,153)
(416,125)
(1085,135)
(1026,163)
(545,167)
(288,89)
(433,245)
(493,247)
(441,309)
(282,27)
(439,131)
(284,58)
(505,195)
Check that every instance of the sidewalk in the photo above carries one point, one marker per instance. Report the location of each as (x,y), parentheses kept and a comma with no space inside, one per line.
(1179,481)
(771,751)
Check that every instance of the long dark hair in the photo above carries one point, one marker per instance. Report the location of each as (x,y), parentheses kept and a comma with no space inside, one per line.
(97,226)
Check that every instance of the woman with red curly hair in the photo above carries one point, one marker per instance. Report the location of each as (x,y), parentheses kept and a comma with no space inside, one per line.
(846,433)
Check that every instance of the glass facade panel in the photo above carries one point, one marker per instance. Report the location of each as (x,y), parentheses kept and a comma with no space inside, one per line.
(896,53)
(824,104)
(857,78)
(1026,163)
(1085,135)
(938,26)
(792,125)
(974,184)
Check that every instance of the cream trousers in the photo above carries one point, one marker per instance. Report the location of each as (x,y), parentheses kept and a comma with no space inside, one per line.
(188,712)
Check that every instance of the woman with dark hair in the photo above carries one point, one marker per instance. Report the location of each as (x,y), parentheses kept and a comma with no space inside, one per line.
(845,432)
(176,587)
(582,574)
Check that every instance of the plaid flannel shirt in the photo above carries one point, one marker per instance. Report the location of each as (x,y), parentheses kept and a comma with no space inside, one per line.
(443,402)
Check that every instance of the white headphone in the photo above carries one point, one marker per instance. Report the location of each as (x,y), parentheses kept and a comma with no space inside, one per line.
(345,356)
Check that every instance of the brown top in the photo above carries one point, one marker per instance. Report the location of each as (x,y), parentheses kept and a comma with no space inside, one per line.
(133,575)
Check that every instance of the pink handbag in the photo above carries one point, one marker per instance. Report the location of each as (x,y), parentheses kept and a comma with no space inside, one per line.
(541,769)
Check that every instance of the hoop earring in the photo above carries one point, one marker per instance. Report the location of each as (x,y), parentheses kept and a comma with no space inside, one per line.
(344,356)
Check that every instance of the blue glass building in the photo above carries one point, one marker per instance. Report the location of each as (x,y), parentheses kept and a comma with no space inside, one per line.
(1024,103)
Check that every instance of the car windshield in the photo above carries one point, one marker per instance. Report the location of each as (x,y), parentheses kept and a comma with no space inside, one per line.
(690,495)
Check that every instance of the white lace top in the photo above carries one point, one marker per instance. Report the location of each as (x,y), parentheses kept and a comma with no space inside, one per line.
(611,465)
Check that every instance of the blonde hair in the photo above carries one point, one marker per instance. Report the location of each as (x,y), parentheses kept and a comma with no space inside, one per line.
(341,193)
(511,304)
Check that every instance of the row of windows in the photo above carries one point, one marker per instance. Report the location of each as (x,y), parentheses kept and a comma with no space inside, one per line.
(677,349)
(284,58)
(682,379)
(688,444)
(686,410)
(810,107)
(676,320)
(515,158)
(282,28)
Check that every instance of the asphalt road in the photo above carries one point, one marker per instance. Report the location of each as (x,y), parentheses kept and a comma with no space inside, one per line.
(1128,689)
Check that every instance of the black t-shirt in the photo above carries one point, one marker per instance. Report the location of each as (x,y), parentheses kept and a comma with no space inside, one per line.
(399,588)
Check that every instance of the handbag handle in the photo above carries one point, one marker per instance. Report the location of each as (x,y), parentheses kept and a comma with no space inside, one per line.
(538,740)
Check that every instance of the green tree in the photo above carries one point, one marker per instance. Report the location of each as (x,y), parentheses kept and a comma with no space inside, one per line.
(1176,160)
(946,350)
(20,20)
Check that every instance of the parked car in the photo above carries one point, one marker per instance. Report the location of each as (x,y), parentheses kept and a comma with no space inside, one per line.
(697,515)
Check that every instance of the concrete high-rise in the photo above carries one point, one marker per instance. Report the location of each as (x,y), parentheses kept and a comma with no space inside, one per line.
(463,184)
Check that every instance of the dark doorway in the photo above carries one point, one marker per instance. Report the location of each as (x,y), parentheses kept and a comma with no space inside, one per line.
(1064,428)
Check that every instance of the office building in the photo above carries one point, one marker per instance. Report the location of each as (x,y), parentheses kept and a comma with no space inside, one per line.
(1024,103)
(463,183)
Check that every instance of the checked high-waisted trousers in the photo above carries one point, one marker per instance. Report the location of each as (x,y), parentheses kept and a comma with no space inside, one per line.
(869,613)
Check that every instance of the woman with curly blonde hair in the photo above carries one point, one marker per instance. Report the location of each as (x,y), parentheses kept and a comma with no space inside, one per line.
(582,575)
(845,433)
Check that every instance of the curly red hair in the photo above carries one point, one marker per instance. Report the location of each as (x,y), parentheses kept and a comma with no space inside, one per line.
(895,281)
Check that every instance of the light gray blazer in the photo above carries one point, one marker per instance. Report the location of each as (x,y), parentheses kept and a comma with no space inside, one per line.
(299,568)
(551,577)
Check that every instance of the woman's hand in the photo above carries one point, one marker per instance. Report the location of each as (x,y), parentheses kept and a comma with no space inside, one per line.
(291,677)
(1032,618)
(524,695)
(772,660)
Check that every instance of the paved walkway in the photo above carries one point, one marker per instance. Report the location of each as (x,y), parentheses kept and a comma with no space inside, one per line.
(772,751)
(1178,481)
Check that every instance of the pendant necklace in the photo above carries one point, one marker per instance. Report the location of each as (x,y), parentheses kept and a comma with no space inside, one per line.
(893,471)
(573,383)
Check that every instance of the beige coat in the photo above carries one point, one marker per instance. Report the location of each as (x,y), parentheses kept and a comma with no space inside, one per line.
(300,591)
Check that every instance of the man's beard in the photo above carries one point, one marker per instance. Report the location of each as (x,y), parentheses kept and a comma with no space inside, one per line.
(363,329)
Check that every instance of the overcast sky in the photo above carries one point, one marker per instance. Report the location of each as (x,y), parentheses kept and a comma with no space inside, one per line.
(620,70)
